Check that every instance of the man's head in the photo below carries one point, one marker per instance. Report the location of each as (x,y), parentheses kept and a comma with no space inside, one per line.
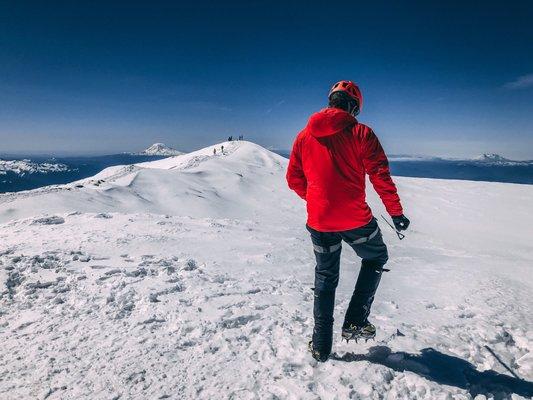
(346,96)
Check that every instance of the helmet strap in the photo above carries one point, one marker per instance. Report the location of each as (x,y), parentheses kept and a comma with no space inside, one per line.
(354,108)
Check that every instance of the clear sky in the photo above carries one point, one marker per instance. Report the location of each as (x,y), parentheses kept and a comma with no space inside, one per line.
(449,78)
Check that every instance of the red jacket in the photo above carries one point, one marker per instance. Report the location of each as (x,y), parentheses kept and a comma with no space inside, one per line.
(327,168)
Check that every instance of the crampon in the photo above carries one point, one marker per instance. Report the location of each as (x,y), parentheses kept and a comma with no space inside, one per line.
(316,354)
(353,332)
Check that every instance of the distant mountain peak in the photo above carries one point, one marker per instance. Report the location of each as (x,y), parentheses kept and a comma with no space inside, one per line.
(491,157)
(160,149)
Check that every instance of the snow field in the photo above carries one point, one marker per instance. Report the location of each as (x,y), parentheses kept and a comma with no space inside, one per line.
(190,277)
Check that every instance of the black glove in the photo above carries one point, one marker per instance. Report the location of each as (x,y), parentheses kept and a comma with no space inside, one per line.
(401,222)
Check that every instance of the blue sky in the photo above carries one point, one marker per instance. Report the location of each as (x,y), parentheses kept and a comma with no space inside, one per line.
(449,79)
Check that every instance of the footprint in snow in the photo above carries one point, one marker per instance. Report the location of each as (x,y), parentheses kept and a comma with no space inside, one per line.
(237,322)
(80,256)
(52,220)
(99,266)
(103,216)
(467,315)
(190,265)
(109,274)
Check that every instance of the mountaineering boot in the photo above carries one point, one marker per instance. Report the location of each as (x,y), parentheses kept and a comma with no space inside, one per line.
(367,331)
(363,294)
(324,302)
(316,354)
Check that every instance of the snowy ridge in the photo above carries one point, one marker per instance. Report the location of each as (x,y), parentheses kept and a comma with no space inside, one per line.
(483,159)
(196,184)
(486,157)
(496,159)
(190,277)
(22,167)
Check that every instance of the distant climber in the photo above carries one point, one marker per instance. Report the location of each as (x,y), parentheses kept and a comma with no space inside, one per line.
(215,151)
(222,149)
(328,163)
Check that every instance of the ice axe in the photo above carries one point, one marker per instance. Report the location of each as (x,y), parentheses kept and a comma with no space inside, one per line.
(400,235)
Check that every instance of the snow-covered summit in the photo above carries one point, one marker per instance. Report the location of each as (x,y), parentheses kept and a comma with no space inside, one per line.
(491,158)
(233,183)
(160,149)
(496,159)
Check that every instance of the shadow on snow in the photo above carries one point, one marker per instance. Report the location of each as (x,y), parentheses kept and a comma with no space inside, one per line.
(444,369)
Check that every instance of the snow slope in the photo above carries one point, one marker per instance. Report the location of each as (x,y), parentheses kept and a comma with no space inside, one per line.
(190,277)
(231,185)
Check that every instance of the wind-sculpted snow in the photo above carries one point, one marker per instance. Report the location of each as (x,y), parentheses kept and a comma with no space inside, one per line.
(22,167)
(235,184)
(147,283)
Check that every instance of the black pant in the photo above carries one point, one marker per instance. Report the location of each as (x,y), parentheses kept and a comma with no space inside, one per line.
(327,246)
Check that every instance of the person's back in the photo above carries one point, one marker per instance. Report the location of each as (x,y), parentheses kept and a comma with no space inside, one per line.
(335,154)
(327,168)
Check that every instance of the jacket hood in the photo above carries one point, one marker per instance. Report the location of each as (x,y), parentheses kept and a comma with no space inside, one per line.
(329,121)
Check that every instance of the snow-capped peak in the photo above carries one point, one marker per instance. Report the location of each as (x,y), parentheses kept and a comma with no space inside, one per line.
(496,159)
(491,157)
(160,149)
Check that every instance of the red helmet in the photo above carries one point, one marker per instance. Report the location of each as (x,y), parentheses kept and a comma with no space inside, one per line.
(351,89)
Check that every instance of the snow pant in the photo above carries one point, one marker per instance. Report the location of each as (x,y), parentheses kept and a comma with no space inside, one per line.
(327,247)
